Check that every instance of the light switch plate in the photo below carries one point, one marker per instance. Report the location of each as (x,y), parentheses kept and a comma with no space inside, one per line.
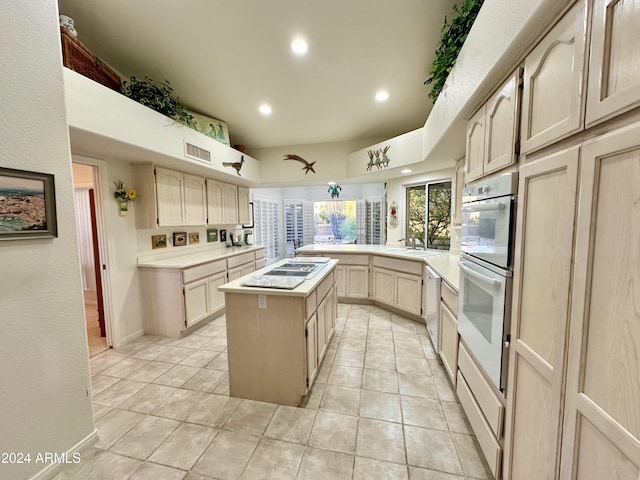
(262,302)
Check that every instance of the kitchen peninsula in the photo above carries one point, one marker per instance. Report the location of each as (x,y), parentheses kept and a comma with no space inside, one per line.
(277,337)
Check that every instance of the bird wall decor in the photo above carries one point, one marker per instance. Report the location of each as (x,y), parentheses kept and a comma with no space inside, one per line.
(236,165)
(308,167)
(334,190)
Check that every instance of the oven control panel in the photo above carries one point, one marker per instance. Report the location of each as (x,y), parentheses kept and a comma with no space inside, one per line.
(499,186)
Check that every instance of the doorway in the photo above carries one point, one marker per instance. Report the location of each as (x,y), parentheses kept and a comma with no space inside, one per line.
(91,260)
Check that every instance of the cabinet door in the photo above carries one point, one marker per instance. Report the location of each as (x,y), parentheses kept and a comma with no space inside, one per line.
(614,64)
(244,214)
(170,197)
(357,282)
(456,195)
(216,298)
(230,204)
(449,342)
(329,315)
(196,301)
(235,273)
(383,285)
(248,268)
(340,274)
(501,126)
(214,202)
(474,159)
(312,350)
(195,200)
(261,263)
(555,65)
(321,339)
(408,289)
(602,412)
(540,313)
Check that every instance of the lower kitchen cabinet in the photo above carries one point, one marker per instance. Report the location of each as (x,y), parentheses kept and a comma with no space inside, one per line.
(449,342)
(352,275)
(311,335)
(196,302)
(400,289)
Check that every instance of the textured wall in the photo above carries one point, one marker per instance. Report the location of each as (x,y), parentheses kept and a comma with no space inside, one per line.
(44,374)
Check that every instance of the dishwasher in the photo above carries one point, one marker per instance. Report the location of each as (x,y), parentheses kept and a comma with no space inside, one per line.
(432,306)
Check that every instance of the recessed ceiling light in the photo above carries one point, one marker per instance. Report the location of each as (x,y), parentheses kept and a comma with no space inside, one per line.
(381,96)
(406,170)
(265,110)
(299,46)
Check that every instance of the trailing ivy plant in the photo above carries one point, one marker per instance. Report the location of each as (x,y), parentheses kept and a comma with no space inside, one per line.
(158,96)
(453,36)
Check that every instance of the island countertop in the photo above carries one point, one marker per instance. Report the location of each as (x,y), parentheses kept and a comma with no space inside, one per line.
(302,290)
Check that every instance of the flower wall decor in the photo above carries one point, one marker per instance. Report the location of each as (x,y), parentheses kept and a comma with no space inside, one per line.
(124,195)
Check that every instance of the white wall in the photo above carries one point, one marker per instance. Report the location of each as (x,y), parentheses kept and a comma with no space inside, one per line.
(44,373)
(396,191)
(330,158)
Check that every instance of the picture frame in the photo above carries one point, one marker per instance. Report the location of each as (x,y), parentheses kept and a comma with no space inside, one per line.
(212,235)
(158,241)
(27,205)
(211,127)
(179,239)
(250,216)
(223,235)
(194,237)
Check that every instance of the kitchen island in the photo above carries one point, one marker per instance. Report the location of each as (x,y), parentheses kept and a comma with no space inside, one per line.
(277,337)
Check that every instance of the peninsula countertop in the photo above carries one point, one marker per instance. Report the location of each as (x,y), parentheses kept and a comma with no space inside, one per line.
(302,290)
(442,261)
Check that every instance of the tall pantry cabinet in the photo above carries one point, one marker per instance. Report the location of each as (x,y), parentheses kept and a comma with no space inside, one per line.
(573,402)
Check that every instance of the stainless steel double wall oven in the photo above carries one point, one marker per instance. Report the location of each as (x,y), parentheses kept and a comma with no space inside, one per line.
(488,229)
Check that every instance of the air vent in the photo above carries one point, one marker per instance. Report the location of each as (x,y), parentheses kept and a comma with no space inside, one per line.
(197,153)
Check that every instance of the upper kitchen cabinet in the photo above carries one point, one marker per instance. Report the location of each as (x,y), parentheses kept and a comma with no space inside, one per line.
(227,204)
(553,78)
(614,65)
(456,194)
(168,198)
(493,131)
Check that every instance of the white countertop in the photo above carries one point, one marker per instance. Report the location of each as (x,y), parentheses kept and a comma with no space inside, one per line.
(195,258)
(302,290)
(443,262)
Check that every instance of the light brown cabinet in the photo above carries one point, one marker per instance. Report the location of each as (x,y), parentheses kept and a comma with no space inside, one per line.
(539,324)
(168,198)
(244,213)
(553,82)
(492,133)
(449,342)
(227,204)
(613,84)
(456,194)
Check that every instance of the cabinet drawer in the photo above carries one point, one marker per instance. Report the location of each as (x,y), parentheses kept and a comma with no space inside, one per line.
(324,287)
(261,263)
(450,298)
(310,304)
(258,254)
(491,407)
(487,441)
(204,270)
(349,259)
(240,259)
(405,266)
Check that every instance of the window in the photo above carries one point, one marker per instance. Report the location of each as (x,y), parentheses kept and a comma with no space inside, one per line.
(335,221)
(298,225)
(429,215)
(266,223)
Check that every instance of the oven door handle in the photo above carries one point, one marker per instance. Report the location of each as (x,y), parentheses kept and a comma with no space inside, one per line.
(478,276)
(485,208)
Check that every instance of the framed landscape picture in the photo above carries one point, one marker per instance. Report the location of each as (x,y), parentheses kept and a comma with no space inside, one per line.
(27,205)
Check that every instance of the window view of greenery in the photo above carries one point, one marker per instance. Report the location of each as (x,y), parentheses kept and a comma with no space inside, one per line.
(335,221)
(429,206)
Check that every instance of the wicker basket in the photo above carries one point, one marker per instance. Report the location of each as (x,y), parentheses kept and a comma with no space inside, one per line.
(78,58)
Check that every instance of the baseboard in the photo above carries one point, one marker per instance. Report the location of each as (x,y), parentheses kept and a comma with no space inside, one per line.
(54,468)
(130,338)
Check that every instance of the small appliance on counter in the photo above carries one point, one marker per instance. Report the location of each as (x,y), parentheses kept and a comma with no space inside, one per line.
(248,237)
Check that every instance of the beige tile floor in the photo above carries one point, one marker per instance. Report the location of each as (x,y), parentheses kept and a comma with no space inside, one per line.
(381,408)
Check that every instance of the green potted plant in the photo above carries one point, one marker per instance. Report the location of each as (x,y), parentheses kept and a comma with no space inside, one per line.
(158,96)
(453,36)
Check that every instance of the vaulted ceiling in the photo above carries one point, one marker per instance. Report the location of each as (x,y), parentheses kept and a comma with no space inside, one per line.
(225,58)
